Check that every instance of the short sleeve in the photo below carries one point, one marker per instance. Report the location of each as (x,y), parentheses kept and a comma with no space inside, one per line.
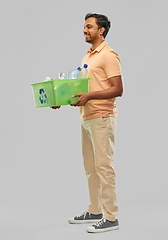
(111,64)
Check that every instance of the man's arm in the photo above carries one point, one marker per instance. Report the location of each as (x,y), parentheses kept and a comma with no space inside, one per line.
(114,91)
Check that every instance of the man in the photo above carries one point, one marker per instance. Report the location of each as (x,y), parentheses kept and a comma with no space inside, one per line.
(98,120)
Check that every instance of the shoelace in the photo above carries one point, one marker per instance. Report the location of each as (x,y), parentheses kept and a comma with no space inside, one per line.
(98,224)
(82,215)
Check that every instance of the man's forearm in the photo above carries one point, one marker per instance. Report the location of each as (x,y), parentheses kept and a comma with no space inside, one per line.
(111,92)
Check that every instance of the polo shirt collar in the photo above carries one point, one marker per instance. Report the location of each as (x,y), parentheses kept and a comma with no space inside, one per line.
(99,48)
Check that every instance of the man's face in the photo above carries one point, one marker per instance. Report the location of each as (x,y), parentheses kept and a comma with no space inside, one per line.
(91,30)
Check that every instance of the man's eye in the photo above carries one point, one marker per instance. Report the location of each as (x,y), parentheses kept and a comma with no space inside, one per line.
(88,27)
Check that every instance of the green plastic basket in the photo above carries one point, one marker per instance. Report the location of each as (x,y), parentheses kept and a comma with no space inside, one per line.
(58,92)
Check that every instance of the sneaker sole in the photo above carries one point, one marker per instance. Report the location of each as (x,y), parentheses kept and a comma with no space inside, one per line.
(93,230)
(72,221)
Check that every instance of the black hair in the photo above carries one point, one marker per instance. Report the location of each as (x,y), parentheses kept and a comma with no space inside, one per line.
(101,21)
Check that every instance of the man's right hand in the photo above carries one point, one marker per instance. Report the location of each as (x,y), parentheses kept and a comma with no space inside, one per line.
(55,107)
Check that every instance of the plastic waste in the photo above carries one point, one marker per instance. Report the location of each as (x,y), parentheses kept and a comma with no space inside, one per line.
(84,72)
(63,76)
(74,74)
(48,79)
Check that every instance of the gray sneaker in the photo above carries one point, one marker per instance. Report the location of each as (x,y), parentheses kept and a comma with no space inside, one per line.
(103,226)
(86,218)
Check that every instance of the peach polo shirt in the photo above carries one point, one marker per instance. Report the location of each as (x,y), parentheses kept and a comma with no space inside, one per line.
(103,63)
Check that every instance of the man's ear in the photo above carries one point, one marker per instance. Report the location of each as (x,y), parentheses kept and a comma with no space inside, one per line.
(102,29)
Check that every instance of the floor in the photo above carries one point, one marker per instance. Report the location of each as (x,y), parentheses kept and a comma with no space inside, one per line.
(145,220)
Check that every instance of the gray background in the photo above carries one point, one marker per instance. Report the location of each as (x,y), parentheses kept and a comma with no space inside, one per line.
(41,168)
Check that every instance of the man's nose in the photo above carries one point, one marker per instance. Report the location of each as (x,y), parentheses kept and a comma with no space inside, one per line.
(84,30)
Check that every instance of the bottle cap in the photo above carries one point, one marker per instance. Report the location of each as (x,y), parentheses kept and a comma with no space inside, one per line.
(85,65)
(79,68)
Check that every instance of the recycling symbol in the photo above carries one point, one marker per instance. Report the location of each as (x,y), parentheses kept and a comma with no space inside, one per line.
(42,96)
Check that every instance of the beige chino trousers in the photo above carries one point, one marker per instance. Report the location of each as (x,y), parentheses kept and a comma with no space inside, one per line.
(98,149)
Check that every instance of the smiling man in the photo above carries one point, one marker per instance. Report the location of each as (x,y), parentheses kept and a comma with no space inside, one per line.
(98,121)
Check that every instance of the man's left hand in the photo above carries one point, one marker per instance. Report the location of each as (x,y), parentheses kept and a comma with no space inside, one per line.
(82,100)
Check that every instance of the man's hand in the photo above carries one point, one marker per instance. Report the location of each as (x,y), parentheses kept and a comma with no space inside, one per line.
(55,107)
(82,100)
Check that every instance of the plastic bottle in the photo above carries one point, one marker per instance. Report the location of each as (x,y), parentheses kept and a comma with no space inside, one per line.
(63,76)
(84,72)
(74,74)
(48,79)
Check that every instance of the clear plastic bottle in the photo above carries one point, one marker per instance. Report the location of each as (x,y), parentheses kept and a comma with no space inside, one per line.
(74,74)
(48,79)
(84,72)
(63,76)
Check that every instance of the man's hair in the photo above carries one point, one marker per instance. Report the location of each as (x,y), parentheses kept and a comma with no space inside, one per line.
(101,21)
